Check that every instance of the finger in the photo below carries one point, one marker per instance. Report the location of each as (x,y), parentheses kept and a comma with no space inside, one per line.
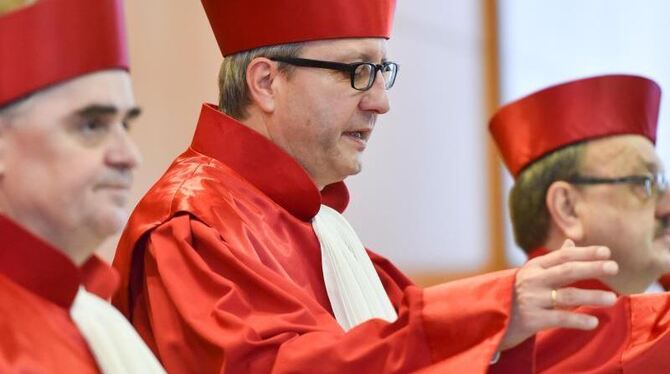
(570,272)
(566,254)
(566,319)
(573,297)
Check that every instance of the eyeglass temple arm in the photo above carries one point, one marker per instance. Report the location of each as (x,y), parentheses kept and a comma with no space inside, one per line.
(622,180)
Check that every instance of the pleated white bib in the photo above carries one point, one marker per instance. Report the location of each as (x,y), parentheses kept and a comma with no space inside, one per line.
(116,346)
(354,289)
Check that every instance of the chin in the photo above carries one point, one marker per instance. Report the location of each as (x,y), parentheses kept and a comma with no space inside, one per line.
(354,171)
(355,167)
(111,222)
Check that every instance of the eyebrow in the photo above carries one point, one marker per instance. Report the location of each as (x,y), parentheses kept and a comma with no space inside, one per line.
(97,110)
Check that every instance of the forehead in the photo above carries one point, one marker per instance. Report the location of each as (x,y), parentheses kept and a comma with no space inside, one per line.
(109,87)
(368,49)
(622,154)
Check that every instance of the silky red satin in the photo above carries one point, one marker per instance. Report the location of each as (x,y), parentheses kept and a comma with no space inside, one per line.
(224,275)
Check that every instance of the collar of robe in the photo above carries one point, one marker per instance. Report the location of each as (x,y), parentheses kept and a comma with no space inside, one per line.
(44,270)
(264,164)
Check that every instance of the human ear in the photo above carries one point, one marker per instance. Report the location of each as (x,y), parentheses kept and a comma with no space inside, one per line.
(261,73)
(562,200)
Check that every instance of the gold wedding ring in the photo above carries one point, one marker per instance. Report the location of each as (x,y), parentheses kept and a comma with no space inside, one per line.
(554,298)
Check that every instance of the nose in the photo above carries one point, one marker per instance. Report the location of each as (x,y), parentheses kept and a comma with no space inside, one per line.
(376,99)
(663,204)
(123,153)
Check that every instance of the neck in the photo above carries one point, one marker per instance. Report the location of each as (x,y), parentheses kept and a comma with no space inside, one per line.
(257,122)
(70,244)
(624,283)
(77,251)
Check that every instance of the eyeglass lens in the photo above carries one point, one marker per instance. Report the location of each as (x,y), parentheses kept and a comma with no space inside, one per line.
(656,185)
(365,74)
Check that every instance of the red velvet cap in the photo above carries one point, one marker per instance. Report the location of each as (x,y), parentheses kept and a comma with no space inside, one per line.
(52,41)
(568,113)
(240,25)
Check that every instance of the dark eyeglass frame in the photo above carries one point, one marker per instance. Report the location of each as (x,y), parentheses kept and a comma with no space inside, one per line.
(652,184)
(347,68)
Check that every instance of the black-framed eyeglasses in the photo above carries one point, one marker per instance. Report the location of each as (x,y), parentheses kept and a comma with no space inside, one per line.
(363,74)
(652,185)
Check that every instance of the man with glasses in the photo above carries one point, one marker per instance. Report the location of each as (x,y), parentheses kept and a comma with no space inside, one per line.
(66,165)
(582,155)
(238,259)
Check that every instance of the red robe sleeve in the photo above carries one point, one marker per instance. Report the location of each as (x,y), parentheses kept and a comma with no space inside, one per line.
(518,360)
(207,308)
(647,350)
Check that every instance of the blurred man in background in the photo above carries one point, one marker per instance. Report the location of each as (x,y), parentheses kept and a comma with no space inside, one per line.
(585,168)
(66,163)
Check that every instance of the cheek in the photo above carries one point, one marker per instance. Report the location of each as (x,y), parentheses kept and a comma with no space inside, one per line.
(74,183)
(636,228)
(316,128)
(319,135)
(640,213)
(331,127)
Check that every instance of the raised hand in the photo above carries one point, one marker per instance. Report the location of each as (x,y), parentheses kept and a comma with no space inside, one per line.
(542,300)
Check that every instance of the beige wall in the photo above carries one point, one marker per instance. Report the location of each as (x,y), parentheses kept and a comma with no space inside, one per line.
(174,65)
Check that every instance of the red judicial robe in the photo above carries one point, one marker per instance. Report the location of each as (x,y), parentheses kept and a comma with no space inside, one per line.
(633,336)
(38,284)
(221,272)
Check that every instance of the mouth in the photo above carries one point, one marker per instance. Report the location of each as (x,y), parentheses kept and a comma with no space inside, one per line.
(119,192)
(360,136)
(115,186)
(117,195)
